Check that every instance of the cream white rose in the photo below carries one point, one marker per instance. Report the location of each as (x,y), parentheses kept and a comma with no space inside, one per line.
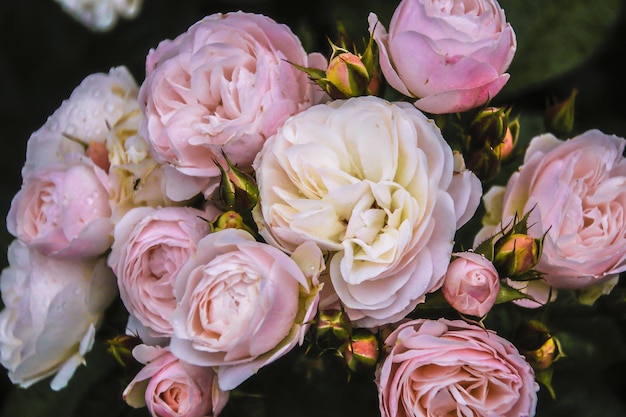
(372,183)
(52,310)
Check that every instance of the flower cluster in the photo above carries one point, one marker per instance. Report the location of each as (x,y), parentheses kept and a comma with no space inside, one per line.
(250,197)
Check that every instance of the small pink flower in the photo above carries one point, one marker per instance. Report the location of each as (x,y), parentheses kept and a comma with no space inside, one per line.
(450,55)
(170,387)
(452,368)
(471,284)
(64,212)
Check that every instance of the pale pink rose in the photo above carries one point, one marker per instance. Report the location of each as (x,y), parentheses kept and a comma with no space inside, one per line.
(170,387)
(374,184)
(64,212)
(243,304)
(52,310)
(97,105)
(451,55)
(453,368)
(225,84)
(575,191)
(471,284)
(150,246)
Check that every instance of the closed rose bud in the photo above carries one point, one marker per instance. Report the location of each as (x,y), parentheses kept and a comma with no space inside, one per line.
(488,128)
(485,163)
(506,148)
(333,328)
(347,76)
(537,344)
(237,191)
(471,284)
(230,220)
(362,351)
(516,254)
(559,119)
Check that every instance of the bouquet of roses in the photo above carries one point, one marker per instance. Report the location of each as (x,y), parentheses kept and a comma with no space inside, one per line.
(251,204)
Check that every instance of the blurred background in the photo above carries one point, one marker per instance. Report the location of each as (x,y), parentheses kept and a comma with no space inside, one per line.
(45,54)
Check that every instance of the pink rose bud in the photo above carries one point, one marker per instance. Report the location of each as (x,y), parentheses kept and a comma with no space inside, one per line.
(230,220)
(506,148)
(333,327)
(362,351)
(471,284)
(347,76)
(516,254)
(538,345)
(559,119)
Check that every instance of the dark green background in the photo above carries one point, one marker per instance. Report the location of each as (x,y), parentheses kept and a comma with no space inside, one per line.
(563,44)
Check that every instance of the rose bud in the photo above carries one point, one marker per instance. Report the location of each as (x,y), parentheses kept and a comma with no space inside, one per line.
(516,254)
(361,351)
(485,163)
(506,148)
(488,128)
(237,190)
(471,284)
(559,119)
(347,76)
(333,327)
(536,343)
(230,220)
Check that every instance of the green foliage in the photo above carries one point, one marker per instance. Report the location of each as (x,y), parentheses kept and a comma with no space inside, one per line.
(555,36)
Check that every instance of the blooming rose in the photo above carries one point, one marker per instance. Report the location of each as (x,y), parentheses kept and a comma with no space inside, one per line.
(170,387)
(575,191)
(471,284)
(99,103)
(52,310)
(243,304)
(373,183)
(64,212)
(150,246)
(443,367)
(452,55)
(226,84)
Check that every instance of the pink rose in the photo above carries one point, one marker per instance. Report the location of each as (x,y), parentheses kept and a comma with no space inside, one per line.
(443,367)
(226,84)
(375,184)
(64,212)
(575,193)
(150,247)
(451,55)
(471,284)
(170,387)
(243,304)
(52,310)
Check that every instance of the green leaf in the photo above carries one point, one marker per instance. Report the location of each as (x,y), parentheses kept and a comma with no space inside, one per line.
(555,36)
